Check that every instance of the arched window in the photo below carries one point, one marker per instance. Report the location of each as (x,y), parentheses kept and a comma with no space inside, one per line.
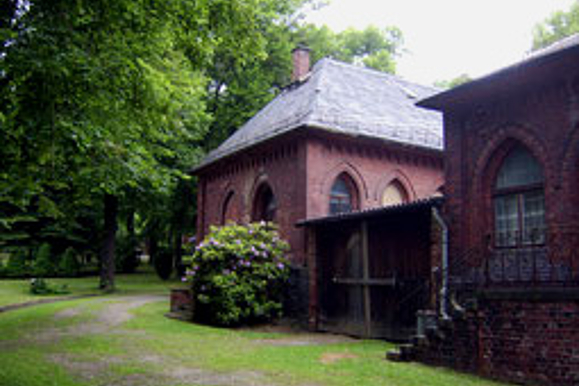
(343,196)
(265,205)
(227,211)
(519,201)
(394,194)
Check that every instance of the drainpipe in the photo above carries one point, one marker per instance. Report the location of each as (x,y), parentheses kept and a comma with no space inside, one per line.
(444,290)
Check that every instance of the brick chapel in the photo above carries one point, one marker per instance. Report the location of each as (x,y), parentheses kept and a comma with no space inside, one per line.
(339,138)
(501,263)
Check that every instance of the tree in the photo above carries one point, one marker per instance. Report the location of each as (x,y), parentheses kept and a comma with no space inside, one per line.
(448,84)
(556,27)
(104,97)
(372,47)
(237,91)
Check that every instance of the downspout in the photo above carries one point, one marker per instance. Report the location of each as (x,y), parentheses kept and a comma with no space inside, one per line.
(444,289)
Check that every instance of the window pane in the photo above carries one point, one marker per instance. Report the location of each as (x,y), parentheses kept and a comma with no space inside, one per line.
(506,221)
(341,197)
(393,194)
(533,209)
(519,168)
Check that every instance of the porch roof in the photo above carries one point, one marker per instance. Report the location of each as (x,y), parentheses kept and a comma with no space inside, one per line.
(365,214)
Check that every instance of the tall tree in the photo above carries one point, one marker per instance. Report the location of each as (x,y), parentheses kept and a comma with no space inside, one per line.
(556,27)
(237,91)
(101,97)
(372,47)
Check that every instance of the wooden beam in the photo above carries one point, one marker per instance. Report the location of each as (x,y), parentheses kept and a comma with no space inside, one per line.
(366,276)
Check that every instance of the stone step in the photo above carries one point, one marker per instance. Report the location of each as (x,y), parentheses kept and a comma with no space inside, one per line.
(404,353)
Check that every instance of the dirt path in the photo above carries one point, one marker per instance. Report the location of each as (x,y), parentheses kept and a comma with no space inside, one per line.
(109,316)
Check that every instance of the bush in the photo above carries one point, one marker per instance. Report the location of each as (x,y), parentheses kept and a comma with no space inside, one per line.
(42,287)
(43,264)
(69,265)
(238,274)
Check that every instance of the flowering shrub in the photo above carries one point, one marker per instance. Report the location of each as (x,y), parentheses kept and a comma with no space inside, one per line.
(238,273)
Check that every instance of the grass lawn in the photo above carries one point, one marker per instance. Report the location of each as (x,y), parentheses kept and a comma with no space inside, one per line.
(127,340)
(13,291)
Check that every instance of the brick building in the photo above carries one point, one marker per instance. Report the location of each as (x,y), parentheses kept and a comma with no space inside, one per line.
(339,138)
(512,206)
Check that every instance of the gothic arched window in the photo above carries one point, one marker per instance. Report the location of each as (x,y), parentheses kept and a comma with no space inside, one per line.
(519,201)
(343,195)
(265,204)
(394,194)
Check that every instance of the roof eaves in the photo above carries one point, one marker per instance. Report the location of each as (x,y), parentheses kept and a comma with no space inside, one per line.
(440,100)
(373,212)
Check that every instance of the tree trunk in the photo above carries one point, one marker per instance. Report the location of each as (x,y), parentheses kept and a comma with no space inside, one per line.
(131,261)
(107,254)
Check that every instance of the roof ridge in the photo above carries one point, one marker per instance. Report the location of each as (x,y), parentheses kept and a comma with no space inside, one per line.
(317,86)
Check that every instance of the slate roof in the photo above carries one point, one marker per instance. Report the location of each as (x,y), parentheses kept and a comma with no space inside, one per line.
(505,77)
(347,99)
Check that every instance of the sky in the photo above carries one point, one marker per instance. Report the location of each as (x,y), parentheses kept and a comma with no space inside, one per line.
(446,38)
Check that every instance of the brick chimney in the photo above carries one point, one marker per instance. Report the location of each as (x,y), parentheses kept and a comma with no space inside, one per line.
(301,61)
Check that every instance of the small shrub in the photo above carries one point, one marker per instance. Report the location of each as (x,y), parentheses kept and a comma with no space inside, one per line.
(238,273)
(40,286)
(69,265)
(43,264)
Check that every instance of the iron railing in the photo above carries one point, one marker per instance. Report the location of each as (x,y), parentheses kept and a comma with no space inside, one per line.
(551,264)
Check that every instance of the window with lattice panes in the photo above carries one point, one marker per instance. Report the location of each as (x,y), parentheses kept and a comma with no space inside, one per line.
(519,201)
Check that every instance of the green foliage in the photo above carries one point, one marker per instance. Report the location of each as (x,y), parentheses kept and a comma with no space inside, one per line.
(448,84)
(69,265)
(556,27)
(237,274)
(40,286)
(44,263)
(372,47)
(17,265)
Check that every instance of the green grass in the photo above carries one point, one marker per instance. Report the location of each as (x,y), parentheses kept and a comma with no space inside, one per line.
(17,291)
(275,358)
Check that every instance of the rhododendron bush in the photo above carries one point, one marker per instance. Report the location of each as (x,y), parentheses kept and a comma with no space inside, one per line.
(238,274)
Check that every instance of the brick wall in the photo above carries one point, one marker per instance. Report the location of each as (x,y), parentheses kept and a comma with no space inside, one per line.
(525,338)
(301,170)
(543,118)
(516,340)
(372,165)
(237,179)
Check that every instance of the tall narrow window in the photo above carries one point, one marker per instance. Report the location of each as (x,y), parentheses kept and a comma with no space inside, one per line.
(394,194)
(227,212)
(519,201)
(343,196)
(265,204)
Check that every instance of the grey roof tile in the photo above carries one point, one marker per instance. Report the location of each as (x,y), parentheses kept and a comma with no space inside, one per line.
(346,99)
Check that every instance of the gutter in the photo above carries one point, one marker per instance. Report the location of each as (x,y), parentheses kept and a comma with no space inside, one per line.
(444,290)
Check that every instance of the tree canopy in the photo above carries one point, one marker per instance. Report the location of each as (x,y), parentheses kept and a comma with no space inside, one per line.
(106,104)
(556,27)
